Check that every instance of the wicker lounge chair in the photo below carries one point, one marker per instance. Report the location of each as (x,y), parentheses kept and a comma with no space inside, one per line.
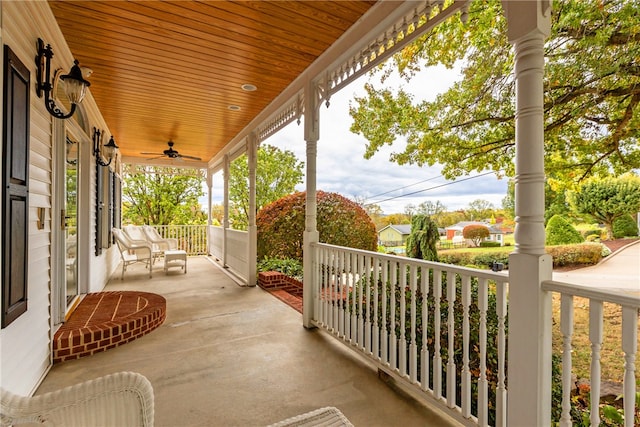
(132,251)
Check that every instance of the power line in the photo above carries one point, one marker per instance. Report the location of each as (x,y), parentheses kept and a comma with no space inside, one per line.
(406,186)
(430,188)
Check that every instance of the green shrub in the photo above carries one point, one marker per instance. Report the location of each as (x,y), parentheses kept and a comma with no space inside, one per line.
(592,234)
(475,257)
(584,254)
(489,244)
(560,232)
(340,222)
(288,266)
(625,226)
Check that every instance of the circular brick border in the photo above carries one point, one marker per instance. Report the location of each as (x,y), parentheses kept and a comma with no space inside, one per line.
(105,320)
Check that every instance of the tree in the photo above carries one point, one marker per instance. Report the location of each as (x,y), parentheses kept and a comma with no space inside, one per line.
(479,210)
(559,231)
(475,233)
(591,95)
(340,222)
(160,196)
(608,199)
(421,243)
(278,173)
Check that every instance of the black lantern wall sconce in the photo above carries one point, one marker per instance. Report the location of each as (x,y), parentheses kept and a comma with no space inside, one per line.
(75,84)
(110,148)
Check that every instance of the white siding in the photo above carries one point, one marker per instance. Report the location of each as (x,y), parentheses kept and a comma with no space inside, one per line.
(25,352)
(25,345)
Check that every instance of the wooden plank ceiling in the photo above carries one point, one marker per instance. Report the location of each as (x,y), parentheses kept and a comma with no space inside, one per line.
(170,70)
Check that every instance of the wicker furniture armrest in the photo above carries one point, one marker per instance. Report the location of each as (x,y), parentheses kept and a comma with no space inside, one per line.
(120,399)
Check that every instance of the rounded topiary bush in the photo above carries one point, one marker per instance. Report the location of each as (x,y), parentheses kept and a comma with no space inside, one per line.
(624,226)
(340,222)
(559,231)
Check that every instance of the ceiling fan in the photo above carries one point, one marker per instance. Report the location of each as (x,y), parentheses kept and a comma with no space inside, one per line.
(171,154)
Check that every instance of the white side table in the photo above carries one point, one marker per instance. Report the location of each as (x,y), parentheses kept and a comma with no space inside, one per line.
(176,258)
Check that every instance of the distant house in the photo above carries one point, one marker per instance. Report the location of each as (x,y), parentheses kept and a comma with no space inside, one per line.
(454,232)
(394,235)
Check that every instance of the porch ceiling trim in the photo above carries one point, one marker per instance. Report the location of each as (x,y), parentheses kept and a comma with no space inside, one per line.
(385,29)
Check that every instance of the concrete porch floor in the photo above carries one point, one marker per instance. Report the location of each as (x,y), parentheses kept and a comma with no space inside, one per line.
(228,355)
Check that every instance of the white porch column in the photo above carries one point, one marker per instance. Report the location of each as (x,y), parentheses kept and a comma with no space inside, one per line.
(529,359)
(209,196)
(209,213)
(225,205)
(311,136)
(252,249)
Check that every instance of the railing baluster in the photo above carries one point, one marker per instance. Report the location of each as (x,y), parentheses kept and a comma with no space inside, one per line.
(317,283)
(413,348)
(402,287)
(393,339)
(437,330)
(629,347)
(354,303)
(501,389)
(466,373)
(483,384)
(566,328)
(451,332)
(361,301)
(340,294)
(367,322)
(595,336)
(424,353)
(376,296)
(385,332)
(334,291)
(348,296)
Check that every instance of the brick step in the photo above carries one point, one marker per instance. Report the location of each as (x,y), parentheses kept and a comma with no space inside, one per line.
(105,320)
(293,301)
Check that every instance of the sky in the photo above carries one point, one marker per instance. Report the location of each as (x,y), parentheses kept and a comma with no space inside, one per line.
(342,168)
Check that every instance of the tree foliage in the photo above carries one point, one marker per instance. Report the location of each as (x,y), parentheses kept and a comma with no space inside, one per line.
(608,199)
(278,172)
(591,94)
(559,231)
(476,233)
(340,222)
(161,196)
(421,243)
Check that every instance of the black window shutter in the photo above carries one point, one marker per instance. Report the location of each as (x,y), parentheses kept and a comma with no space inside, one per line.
(99,207)
(15,188)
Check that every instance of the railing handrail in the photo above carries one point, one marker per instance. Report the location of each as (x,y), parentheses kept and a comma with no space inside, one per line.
(612,296)
(485,274)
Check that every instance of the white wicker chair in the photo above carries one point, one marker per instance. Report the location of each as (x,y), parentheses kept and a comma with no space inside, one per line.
(120,399)
(154,237)
(133,251)
(137,234)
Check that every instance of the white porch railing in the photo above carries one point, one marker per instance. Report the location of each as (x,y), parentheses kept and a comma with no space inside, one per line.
(191,238)
(630,307)
(428,325)
(234,253)
(441,329)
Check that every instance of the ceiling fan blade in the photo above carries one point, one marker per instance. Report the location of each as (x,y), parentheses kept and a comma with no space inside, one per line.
(153,154)
(190,157)
(157,156)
